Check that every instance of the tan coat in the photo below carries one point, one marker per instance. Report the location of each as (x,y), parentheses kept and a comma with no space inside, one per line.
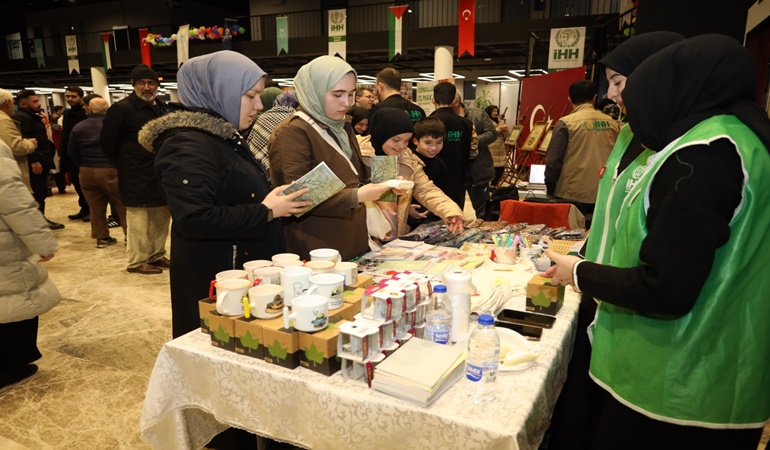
(294,149)
(411,168)
(20,147)
(497,148)
(25,289)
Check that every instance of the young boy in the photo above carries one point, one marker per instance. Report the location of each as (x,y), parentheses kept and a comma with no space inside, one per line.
(428,139)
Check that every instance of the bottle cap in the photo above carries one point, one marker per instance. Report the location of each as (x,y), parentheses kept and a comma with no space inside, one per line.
(440,288)
(486,319)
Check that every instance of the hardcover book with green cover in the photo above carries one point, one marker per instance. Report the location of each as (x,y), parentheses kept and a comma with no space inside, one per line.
(321,181)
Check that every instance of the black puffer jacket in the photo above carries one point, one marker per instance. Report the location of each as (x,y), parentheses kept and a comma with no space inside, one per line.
(138,185)
(214,188)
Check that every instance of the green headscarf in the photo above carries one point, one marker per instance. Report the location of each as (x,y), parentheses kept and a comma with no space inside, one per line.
(312,82)
(268,96)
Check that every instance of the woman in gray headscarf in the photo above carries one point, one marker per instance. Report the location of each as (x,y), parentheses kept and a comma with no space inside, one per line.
(317,133)
(220,197)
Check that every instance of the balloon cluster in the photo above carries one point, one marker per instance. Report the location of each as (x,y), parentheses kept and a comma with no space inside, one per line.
(202,33)
(157,40)
(215,32)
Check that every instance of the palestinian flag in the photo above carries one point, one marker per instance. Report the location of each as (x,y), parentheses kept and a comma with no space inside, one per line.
(106,61)
(395,26)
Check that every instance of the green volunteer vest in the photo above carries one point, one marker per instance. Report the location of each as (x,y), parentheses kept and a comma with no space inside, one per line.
(710,367)
(607,200)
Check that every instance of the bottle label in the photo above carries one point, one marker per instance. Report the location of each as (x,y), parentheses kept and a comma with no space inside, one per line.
(440,337)
(474,373)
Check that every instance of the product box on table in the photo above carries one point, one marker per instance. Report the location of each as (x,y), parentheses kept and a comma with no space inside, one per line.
(544,297)
(248,337)
(319,350)
(222,330)
(346,312)
(281,345)
(364,281)
(205,307)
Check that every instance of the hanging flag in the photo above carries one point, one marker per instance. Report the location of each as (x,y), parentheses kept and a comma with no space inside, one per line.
(337,32)
(395,26)
(106,60)
(567,47)
(282,34)
(182,45)
(39,53)
(466,27)
(72,53)
(146,56)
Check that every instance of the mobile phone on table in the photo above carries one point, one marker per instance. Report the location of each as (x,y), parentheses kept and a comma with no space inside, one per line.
(526,318)
(530,333)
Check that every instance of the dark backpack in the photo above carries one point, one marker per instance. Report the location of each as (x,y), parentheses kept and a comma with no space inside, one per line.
(492,210)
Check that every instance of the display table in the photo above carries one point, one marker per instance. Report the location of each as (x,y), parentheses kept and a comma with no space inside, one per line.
(197,390)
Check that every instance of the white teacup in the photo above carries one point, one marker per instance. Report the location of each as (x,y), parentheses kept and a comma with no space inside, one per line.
(266,301)
(266,275)
(292,263)
(325,254)
(249,267)
(321,266)
(349,270)
(310,313)
(330,285)
(232,275)
(284,257)
(295,281)
(230,295)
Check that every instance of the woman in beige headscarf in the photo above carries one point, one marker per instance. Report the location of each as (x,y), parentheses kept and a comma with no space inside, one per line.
(319,133)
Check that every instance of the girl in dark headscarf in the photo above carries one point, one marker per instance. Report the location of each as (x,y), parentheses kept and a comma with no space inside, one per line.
(576,413)
(391,130)
(681,339)
(359,119)
(497,148)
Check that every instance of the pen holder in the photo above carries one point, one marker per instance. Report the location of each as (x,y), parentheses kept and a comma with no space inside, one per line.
(505,255)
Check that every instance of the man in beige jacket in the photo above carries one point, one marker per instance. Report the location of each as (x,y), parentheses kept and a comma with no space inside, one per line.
(9,133)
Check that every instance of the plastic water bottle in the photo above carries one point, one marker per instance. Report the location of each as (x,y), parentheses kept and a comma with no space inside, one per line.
(438,320)
(481,365)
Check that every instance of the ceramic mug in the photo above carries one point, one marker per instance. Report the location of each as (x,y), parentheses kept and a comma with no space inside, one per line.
(229,295)
(284,257)
(266,275)
(330,285)
(325,254)
(295,281)
(349,270)
(266,301)
(249,267)
(232,275)
(292,263)
(321,266)
(310,313)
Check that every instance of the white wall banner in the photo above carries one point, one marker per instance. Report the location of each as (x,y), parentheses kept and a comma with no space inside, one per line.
(567,48)
(72,54)
(425,96)
(337,32)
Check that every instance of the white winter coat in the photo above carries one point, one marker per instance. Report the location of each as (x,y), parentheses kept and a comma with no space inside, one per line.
(25,290)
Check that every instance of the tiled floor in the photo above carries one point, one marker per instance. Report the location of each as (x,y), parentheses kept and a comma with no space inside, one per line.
(99,346)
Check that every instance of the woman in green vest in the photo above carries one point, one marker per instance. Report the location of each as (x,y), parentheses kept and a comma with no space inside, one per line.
(680,340)
(575,416)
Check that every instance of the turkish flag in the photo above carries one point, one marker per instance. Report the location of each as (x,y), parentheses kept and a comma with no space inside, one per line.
(466,27)
(145,46)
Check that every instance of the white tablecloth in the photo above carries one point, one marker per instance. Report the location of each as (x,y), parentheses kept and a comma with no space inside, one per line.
(197,390)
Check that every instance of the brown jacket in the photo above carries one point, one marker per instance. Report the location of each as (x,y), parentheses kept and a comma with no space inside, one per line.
(294,149)
(497,148)
(411,168)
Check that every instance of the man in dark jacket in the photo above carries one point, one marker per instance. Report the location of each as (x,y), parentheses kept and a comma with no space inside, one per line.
(33,124)
(388,87)
(482,168)
(457,142)
(147,215)
(72,116)
(98,175)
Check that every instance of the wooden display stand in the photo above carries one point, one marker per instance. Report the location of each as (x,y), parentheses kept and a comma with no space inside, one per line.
(521,155)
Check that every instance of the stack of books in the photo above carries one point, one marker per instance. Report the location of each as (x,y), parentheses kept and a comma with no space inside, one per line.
(419,371)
